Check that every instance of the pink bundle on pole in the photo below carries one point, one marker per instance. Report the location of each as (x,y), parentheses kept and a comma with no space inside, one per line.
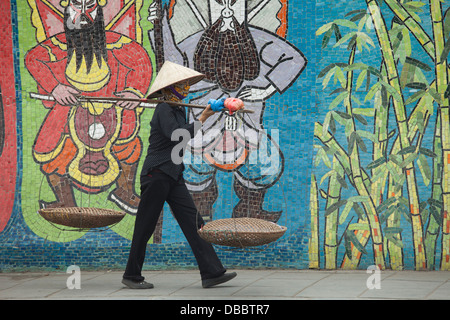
(233,104)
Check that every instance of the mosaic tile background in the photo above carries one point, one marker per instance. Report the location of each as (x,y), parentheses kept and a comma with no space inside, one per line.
(378,193)
(53,151)
(356,131)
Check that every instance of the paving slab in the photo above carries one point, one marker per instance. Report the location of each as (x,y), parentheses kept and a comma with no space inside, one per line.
(248,285)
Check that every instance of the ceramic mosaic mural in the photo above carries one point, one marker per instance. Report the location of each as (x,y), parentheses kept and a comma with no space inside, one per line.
(347,145)
(89,154)
(380,192)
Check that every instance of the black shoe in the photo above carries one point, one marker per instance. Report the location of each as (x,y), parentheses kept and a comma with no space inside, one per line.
(137,285)
(208,283)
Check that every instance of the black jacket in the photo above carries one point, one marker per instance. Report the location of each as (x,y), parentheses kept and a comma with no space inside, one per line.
(166,119)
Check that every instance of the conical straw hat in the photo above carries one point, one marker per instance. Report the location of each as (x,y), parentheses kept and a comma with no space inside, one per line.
(170,74)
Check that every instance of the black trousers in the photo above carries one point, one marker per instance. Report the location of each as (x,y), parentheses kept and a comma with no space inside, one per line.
(156,189)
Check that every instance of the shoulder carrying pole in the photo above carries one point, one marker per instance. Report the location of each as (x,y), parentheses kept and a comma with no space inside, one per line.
(145,103)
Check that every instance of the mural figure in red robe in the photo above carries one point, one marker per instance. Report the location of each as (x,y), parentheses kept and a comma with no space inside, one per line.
(89,146)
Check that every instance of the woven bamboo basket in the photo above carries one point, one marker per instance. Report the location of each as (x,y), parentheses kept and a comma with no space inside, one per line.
(83,218)
(241,232)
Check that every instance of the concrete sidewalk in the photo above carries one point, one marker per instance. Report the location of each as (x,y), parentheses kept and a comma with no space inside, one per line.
(248,285)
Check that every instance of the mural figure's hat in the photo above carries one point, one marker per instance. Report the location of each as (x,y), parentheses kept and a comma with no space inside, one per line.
(171,74)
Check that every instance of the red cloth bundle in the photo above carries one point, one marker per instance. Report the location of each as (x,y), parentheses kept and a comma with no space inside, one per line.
(233,104)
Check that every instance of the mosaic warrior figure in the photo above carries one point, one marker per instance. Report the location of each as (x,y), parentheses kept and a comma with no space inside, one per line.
(239,60)
(93,145)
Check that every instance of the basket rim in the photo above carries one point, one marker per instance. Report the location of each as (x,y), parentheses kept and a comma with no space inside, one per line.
(68,210)
(282,229)
(82,217)
(207,228)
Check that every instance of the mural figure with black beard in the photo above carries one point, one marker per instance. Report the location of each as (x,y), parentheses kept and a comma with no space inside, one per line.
(89,146)
(226,52)
(239,60)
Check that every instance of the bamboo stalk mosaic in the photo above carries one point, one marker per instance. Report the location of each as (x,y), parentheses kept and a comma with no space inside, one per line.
(348,146)
(380,188)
